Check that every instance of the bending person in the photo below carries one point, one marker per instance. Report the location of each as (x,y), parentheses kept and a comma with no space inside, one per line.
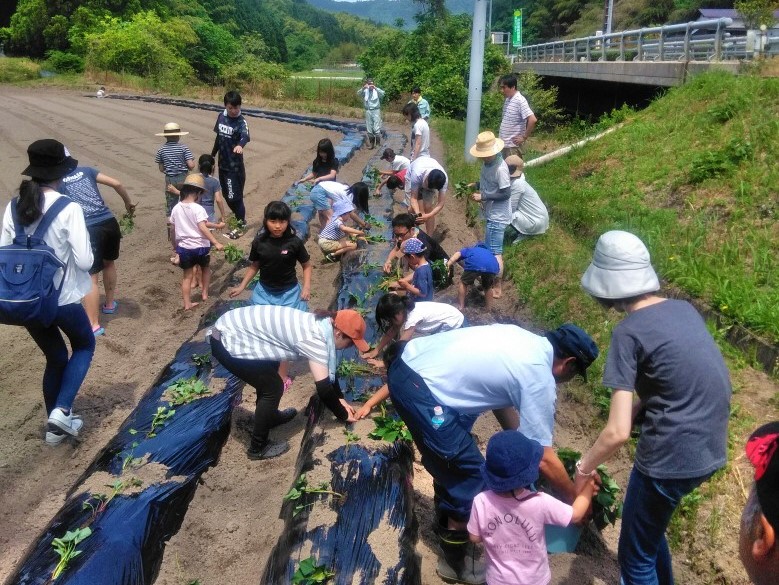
(427,181)
(529,216)
(251,342)
(665,369)
(67,235)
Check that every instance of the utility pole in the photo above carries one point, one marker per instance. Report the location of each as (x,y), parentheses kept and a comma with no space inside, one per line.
(473,117)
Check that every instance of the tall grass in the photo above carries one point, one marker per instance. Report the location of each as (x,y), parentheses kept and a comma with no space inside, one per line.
(14,70)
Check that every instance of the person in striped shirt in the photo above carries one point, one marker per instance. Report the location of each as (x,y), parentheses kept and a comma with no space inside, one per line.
(333,237)
(518,119)
(252,341)
(175,160)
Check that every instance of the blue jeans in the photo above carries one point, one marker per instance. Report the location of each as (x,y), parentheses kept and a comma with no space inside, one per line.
(644,557)
(318,197)
(63,377)
(449,452)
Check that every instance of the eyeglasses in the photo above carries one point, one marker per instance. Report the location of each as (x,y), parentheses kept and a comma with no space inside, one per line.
(403,235)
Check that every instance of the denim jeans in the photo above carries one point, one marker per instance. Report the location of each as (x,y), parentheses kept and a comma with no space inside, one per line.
(263,375)
(63,377)
(644,557)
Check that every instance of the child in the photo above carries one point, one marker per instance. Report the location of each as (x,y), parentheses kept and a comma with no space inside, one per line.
(175,160)
(419,284)
(398,165)
(401,318)
(478,262)
(212,196)
(325,165)
(420,132)
(191,235)
(357,195)
(333,237)
(232,136)
(275,252)
(495,196)
(101,92)
(515,547)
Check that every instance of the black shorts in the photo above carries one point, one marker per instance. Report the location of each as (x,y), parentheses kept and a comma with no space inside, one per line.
(104,238)
(189,258)
(487,278)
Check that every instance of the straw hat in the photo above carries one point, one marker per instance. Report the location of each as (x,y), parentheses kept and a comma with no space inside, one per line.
(620,268)
(171,129)
(486,145)
(195,180)
(517,162)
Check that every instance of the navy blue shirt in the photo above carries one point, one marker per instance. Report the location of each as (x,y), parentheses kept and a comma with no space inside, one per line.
(81,187)
(230,132)
(423,280)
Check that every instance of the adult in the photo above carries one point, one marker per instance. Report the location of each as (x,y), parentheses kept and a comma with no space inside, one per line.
(529,216)
(427,181)
(371,98)
(681,398)
(518,119)
(403,228)
(67,235)
(420,131)
(252,341)
(758,545)
(421,103)
(502,368)
(104,236)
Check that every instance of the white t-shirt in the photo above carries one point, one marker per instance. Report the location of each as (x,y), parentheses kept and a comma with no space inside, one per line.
(493,366)
(400,163)
(336,191)
(185,218)
(420,131)
(428,317)
(68,237)
(419,170)
(529,215)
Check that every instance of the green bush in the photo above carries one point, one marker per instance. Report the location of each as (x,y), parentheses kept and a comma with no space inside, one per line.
(251,72)
(13,70)
(62,62)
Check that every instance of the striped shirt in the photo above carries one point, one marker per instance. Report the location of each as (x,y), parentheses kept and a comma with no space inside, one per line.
(267,332)
(174,156)
(333,231)
(516,111)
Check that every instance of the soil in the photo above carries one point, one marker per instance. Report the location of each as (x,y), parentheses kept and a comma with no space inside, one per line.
(233,520)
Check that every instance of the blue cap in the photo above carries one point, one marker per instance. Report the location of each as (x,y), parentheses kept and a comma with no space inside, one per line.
(413,246)
(512,461)
(573,341)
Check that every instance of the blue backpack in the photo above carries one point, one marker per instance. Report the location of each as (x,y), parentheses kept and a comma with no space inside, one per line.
(27,269)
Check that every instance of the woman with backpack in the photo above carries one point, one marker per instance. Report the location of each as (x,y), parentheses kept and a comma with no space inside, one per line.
(68,237)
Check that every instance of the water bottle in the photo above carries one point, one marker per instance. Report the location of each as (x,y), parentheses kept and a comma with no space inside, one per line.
(438,417)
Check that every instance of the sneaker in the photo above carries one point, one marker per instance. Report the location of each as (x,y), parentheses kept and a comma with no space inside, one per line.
(270,450)
(69,423)
(56,436)
(284,416)
(330,259)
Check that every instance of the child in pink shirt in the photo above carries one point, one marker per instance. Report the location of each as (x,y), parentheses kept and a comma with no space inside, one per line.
(509,518)
(192,238)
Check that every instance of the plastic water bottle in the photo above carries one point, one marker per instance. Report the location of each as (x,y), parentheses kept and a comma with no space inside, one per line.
(438,417)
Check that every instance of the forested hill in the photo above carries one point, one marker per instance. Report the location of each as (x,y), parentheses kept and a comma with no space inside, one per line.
(183,38)
(400,13)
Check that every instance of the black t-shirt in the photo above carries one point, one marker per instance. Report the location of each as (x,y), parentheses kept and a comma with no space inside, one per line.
(322,168)
(277,258)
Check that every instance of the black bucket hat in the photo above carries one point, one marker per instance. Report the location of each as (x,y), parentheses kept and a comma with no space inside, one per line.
(49,160)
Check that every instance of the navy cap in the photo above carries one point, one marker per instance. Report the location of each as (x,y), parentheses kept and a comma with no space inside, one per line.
(573,341)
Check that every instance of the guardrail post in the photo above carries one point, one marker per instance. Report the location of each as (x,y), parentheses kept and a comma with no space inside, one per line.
(661,45)
(718,40)
(622,46)
(640,46)
(687,42)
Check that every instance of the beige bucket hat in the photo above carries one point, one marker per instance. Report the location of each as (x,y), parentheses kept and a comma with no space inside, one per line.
(516,162)
(171,129)
(486,145)
(620,268)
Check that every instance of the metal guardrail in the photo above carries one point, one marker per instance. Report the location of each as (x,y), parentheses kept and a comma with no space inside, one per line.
(705,40)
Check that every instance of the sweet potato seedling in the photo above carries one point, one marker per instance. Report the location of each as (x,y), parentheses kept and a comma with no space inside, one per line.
(233,253)
(372,220)
(66,548)
(310,573)
(127,223)
(233,223)
(201,359)
(160,418)
(185,391)
(389,428)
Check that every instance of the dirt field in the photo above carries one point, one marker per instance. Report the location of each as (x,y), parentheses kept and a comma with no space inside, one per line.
(232,522)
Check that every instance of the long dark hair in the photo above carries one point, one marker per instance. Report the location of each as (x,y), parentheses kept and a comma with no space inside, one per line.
(360,196)
(276,210)
(412,111)
(325,145)
(206,164)
(30,206)
(390,306)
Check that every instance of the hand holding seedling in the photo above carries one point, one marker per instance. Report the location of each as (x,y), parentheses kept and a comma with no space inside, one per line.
(476,196)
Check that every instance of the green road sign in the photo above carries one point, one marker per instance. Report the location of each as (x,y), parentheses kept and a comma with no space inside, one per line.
(516,37)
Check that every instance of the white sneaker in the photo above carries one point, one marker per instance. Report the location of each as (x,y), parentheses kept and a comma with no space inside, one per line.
(56,437)
(68,423)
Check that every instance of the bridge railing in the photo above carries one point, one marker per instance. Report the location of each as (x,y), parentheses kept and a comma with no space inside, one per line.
(705,40)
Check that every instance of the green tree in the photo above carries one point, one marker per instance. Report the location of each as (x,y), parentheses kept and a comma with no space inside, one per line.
(25,35)
(756,12)
(215,48)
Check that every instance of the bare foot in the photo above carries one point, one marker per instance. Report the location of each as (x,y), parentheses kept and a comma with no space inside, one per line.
(204,296)
(497,293)
(174,259)
(190,307)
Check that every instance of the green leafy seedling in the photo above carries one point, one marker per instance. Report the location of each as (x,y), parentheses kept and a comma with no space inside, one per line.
(301,488)
(185,391)
(127,223)
(373,220)
(233,223)
(201,359)
(311,573)
(370,267)
(352,368)
(233,253)
(160,418)
(351,437)
(375,239)
(462,190)
(66,548)
(389,428)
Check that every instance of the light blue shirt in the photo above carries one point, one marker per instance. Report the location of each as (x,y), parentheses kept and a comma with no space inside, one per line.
(371,97)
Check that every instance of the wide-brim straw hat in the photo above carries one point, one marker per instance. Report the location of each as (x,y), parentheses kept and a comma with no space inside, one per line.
(620,269)
(195,180)
(171,129)
(515,161)
(486,145)
(49,160)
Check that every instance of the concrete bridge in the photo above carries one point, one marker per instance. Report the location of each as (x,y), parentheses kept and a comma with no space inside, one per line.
(661,57)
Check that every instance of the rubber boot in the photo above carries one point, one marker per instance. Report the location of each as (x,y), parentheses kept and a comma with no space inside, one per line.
(377,138)
(457,562)
(371,142)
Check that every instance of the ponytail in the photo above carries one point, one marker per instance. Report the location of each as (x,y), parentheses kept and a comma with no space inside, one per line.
(30,206)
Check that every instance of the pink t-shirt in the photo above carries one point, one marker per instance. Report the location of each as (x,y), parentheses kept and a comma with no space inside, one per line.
(185,217)
(513,534)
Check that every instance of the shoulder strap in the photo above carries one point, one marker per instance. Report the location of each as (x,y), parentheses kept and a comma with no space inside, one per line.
(49,216)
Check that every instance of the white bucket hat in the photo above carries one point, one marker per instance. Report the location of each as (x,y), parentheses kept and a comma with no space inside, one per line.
(620,268)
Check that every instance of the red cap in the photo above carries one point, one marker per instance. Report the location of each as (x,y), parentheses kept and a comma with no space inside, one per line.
(351,324)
